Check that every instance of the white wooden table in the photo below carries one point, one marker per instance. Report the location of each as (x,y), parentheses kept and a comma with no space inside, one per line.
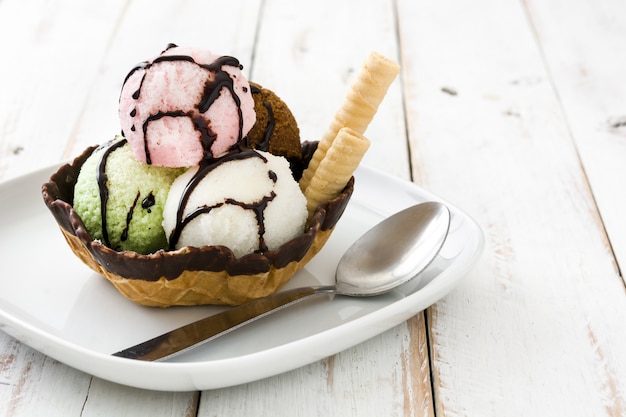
(513,110)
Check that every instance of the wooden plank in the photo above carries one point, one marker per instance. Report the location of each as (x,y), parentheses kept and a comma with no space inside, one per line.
(536,325)
(109,399)
(42,80)
(46,75)
(385,376)
(588,72)
(308,53)
(32,384)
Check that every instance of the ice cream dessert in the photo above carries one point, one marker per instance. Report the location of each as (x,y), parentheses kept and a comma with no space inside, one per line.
(219,161)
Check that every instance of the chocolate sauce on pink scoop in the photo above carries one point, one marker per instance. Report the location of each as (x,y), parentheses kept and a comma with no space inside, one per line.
(211,92)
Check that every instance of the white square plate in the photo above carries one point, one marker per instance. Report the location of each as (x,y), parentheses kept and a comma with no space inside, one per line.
(52,302)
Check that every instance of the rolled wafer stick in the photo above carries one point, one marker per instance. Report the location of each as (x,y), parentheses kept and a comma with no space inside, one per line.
(335,170)
(359,106)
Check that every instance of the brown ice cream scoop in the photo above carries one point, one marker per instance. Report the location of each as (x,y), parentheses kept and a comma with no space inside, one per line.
(276,129)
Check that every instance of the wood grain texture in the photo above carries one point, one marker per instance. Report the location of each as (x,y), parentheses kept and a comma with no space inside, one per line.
(308,53)
(588,72)
(514,111)
(536,324)
(46,86)
(32,384)
(50,70)
(351,383)
(108,399)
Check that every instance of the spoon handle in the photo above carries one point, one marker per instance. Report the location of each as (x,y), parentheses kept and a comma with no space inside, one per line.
(191,335)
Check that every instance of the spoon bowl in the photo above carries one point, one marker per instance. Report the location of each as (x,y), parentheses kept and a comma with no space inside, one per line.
(387,256)
(394,251)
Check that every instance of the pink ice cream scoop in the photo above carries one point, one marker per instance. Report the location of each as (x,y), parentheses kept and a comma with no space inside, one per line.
(184,106)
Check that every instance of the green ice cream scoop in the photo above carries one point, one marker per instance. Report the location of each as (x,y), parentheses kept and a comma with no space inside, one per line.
(120,199)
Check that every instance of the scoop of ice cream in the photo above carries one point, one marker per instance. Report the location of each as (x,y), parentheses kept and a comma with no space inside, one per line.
(247,201)
(184,105)
(120,199)
(276,129)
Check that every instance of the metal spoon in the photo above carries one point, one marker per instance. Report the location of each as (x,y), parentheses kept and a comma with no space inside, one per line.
(388,255)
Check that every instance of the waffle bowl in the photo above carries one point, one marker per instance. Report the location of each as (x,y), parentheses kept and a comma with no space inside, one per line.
(192,275)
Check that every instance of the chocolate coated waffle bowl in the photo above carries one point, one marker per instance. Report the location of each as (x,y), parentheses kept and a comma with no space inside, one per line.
(191,275)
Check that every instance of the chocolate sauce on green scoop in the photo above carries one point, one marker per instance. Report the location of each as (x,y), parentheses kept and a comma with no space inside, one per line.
(102,180)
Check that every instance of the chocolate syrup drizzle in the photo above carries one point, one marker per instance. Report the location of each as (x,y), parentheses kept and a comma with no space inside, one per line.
(212,90)
(129,217)
(205,167)
(269,127)
(102,180)
(148,202)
